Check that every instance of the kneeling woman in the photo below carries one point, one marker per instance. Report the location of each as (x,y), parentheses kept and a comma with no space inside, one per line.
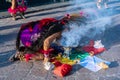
(36,37)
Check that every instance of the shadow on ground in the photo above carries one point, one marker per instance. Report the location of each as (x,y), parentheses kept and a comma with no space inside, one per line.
(4,58)
(7,48)
(10,35)
(75,68)
(111,36)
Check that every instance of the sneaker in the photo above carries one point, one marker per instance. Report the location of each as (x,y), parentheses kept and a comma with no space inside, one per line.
(48,66)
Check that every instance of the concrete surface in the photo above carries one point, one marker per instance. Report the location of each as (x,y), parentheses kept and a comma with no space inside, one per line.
(35,71)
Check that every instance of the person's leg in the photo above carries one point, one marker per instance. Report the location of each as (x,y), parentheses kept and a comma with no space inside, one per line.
(22,14)
(13,16)
(13,7)
(105,3)
(22,8)
(47,43)
(99,4)
(38,56)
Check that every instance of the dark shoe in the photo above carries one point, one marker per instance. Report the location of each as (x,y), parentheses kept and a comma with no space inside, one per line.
(13,58)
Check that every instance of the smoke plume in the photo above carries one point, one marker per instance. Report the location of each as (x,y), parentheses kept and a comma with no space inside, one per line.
(98,20)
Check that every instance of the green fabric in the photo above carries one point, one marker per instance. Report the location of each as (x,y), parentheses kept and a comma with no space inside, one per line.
(78,55)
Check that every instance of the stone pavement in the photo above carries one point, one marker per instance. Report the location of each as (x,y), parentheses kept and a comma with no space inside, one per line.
(35,71)
(5,14)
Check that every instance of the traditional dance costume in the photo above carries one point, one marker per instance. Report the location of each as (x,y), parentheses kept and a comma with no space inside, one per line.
(32,34)
(19,6)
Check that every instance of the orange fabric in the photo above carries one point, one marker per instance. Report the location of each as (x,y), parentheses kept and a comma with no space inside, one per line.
(62,70)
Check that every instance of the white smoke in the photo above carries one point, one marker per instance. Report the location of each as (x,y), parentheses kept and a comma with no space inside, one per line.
(97,22)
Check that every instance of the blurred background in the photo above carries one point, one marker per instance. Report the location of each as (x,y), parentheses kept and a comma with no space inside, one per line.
(30,3)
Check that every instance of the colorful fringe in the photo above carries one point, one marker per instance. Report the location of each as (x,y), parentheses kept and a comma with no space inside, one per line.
(13,11)
(21,8)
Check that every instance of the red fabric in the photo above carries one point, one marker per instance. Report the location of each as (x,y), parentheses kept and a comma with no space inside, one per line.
(91,43)
(46,21)
(22,8)
(13,11)
(30,28)
(29,56)
(95,50)
(18,9)
(52,60)
(62,22)
(90,47)
(57,63)
(28,44)
(41,23)
(62,70)
(47,51)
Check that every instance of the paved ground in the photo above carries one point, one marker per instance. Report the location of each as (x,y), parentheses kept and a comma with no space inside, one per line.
(5,14)
(35,71)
